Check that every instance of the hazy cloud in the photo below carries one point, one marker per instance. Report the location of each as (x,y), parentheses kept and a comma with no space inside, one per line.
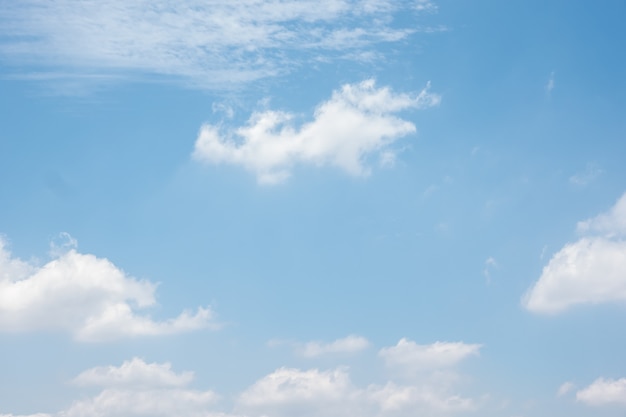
(604,392)
(591,172)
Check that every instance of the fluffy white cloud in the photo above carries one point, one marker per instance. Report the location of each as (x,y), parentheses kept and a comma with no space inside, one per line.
(84,295)
(591,270)
(137,388)
(135,372)
(425,399)
(287,392)
(213,43)
(357,121)
(411,357)
(604,392)
(29,415)
(349,344)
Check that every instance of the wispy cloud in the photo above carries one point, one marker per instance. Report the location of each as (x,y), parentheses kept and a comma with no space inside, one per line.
(591,172)
(356,122)
(139,388)
(490,264)
(211,44)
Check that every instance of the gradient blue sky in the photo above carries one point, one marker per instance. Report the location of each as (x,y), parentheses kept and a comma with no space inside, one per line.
(355,208)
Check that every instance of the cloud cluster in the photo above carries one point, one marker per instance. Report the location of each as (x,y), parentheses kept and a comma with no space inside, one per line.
(591,270)
(356,122)
(288,392)
(137,388)
(214,43)
(84,295)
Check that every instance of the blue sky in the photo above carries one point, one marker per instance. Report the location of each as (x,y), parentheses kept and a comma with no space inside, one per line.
(322,208)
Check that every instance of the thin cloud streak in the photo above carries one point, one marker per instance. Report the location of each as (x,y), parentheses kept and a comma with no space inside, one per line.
(211,44)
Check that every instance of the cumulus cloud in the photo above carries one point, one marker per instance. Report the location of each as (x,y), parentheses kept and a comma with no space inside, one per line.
(349,344)
(84,295)
(135,372)
(213,43)
(412,357)
(565,388)
(604,392)
(138,388)
(591,270)
(287,392)
(356,122)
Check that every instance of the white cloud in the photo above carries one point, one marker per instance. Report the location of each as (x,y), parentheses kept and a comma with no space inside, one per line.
(288,392)
(565,388)
(137,388)
(349,344)
(135,372)
(85,295)
(604,392)
(424,399)
(357,121)
(410,357)
(213,43)
(591,270)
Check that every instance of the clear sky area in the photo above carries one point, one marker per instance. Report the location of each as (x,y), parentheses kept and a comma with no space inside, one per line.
(312,208)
